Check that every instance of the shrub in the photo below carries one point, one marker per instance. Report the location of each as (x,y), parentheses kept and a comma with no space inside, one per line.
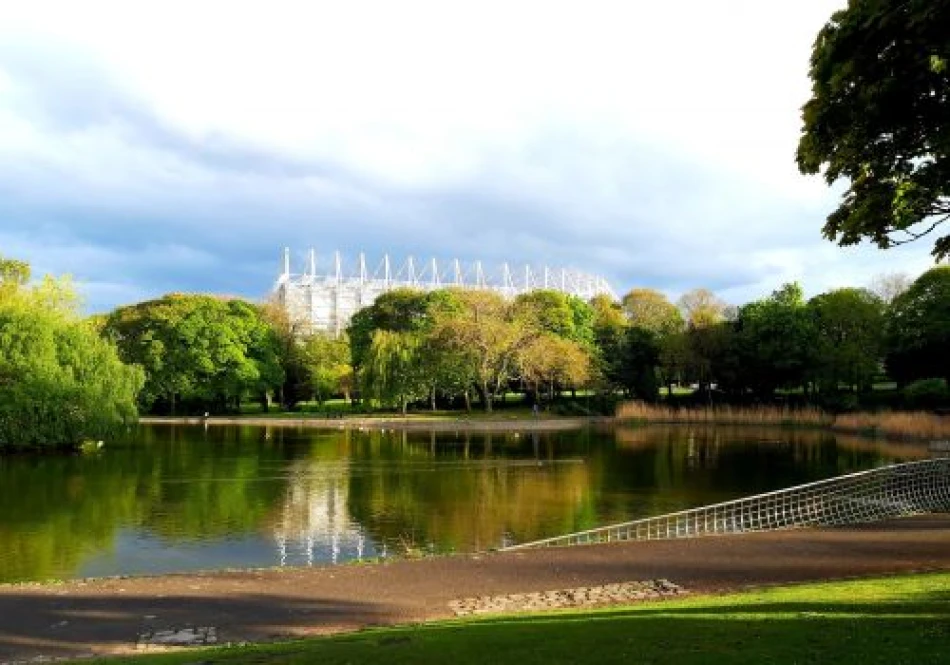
(927,394)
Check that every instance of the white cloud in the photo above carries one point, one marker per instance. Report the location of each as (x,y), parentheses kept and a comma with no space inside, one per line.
(653,141)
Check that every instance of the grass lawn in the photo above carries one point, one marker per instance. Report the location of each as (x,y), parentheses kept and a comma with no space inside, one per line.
(900,619)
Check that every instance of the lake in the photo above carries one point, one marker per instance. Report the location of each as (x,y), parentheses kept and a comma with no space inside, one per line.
(177,498)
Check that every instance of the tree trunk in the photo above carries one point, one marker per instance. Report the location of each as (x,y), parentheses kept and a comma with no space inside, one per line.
(432,397)
(468,401)
(486,396)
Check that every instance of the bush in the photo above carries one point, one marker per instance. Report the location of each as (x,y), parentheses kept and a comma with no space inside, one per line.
(927,394)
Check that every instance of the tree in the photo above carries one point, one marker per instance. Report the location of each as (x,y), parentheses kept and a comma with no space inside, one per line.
(550,361)
(60,383)
(609,331)
(325,360)
(850,335)
(878,118)
(918,329)
(888,286)
(200,349)
(701,308)
(487,334)
(640,356)
(393,371)
(651,310)
(777,338)
(399,310)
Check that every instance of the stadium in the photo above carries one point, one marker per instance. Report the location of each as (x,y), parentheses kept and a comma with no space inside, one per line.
(325,299)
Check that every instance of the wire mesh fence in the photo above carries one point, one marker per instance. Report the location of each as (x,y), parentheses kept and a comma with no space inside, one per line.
(867,496)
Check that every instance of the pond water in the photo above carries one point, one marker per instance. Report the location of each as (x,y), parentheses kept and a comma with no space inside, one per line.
(192,498)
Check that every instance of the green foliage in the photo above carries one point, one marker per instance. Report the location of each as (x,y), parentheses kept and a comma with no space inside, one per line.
(60,383)
(394,368)
(777,340)
(326,362)
(918,331)
(878,118)
(399,310)
(850,338)
(201,350)
(640,356)
(927,394)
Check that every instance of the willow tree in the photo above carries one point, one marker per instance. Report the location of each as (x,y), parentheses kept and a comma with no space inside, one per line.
(60,382)
(393,369)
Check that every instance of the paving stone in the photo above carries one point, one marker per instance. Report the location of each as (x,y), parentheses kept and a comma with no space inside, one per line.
(563,598)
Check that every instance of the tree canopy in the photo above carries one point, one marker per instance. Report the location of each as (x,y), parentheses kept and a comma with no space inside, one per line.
(60,383)
(878,118)
(919,328)
(198,349)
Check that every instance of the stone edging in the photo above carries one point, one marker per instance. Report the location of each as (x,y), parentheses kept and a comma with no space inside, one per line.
(609,594)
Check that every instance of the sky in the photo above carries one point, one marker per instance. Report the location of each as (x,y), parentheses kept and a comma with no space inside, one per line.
(151,147)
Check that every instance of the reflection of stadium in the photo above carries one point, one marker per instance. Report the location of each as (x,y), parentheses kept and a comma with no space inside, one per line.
(314,526)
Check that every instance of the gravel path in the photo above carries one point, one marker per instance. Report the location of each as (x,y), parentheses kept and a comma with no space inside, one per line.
(121,615)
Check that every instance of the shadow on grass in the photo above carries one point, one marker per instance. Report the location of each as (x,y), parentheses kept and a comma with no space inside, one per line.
(904,628)
(66,624)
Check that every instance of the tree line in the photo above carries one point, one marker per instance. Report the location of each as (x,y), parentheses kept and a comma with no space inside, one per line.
(65,378)
(462,349)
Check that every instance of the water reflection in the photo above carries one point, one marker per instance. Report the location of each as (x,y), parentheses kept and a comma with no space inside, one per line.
(186,498)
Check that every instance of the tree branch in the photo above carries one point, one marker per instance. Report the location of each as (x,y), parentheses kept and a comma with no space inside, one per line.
(917,236)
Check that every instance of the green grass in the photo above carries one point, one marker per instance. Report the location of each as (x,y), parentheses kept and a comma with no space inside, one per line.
(893,620)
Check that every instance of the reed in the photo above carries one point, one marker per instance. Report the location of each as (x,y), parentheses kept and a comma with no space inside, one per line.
(893,424)
(900,424)
(723,415)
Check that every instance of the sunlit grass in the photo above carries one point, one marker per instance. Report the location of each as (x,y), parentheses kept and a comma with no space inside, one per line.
(900,619)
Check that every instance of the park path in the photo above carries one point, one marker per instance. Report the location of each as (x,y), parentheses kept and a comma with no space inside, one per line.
(108,616)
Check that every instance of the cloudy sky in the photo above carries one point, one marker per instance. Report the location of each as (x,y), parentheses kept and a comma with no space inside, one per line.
(178,146)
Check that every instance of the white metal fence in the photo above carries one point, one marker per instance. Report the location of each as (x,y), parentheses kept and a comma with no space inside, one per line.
(867,496)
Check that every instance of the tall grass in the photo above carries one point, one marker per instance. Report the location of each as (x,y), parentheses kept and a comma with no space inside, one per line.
(902,424)
(896,424)
(723,415)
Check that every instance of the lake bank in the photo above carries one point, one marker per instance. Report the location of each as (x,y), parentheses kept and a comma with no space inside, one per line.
(409,423)
(107,616)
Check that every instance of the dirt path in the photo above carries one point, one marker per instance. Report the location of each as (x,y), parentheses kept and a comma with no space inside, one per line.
(108,616)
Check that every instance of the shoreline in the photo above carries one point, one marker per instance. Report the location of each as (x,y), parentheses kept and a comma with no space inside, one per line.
(109,616)
(425,423)
(411,423)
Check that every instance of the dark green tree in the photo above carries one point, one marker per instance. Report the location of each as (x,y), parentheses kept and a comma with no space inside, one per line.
(776,338)
(878,119)
(918,329)
(850,336)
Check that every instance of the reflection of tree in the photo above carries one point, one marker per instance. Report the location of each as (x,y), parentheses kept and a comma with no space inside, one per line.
(661,469)
(178,482)
(449,491)
(214,483)
(464,493)
(57,509)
